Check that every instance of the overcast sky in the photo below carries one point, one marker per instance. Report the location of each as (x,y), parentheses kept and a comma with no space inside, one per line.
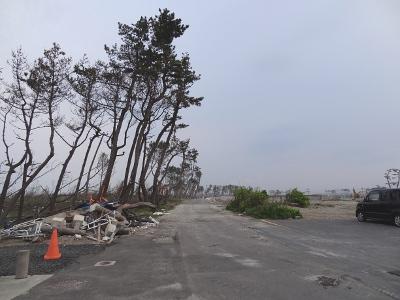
(297,93)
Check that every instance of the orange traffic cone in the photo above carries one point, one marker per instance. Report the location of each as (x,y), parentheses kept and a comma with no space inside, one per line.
(53,252)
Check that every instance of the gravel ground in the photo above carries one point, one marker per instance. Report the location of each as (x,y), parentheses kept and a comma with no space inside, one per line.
(37,264)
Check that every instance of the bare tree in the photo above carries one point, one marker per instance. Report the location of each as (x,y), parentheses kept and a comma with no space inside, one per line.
(44,83)
(23,107)
(392,177)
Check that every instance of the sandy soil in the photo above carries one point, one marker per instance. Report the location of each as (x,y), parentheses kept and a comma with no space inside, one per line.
(330,209)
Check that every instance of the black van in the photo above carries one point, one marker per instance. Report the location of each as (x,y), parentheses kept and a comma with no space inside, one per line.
(380,204)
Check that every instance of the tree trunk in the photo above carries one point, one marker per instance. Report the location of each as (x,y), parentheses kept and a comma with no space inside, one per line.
(21,193)
(91,165)
(142,183)
(113,151)
(6,185)
(78,185)
(53,198)
(149,157)
(138,151)
(27,164)
(154,195)
(107,177)
(125,188)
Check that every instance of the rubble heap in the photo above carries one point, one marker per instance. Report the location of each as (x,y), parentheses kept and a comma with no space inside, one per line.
(98,222)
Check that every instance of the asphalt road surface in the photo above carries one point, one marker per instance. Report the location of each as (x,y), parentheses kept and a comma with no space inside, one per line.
(201,251)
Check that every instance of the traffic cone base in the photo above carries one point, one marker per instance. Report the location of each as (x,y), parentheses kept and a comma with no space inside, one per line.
(53,252)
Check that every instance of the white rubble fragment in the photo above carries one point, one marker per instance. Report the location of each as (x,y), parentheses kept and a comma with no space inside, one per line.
(154,220)
(77,221)
(58,222)
(78,218)
(92,207)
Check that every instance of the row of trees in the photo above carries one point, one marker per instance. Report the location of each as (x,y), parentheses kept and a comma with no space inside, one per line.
(129,105)
(219,190)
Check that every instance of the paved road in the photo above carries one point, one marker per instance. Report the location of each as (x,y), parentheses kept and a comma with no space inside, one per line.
(201,251)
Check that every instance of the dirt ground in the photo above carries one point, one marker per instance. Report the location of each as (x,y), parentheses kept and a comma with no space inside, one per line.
(330,210)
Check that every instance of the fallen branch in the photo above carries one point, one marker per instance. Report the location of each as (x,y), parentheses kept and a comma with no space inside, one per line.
(116,214)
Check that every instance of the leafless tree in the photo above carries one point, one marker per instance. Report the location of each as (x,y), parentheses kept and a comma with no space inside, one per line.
(48,79)
(392,177)
(36,91)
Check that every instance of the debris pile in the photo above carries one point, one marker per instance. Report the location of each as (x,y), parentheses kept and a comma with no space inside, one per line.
(98,222)
(29,229)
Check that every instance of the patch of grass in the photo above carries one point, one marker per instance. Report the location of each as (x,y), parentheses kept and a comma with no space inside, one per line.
(273,210)
(256,204)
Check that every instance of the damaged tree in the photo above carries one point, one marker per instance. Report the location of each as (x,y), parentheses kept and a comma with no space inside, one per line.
(168,80)
(132,101)
(44,85)
(82,82)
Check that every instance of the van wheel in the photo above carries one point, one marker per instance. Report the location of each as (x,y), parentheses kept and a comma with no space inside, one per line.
(397,220)
(361,217)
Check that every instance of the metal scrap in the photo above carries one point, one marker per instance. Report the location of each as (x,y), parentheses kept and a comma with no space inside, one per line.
(29,229)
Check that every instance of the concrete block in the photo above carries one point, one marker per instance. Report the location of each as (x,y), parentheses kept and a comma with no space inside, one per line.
(93,207)
(58,222)
(77,222)
(77,225)
(110,229)
(79,218)
(22,264)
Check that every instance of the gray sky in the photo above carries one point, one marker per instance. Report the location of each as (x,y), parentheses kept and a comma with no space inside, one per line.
(297,93)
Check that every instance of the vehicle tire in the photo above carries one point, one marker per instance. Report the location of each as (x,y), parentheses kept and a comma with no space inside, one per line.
(360,216)
(396,220)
